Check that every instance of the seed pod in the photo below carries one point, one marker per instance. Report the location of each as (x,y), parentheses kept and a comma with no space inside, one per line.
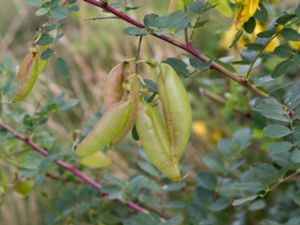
(113,90)
(28,73)
(106,130)
(96,160)
(155,140)
(133,98)
(176,109)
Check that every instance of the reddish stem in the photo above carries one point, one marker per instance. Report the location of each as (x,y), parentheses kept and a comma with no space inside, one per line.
(81,176)
(186,47)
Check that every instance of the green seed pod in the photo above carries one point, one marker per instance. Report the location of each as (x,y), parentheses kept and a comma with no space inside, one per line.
(28,73)
(113,90)
(176,109)
(106,130)
(96,160)
(155,140)
(133,98)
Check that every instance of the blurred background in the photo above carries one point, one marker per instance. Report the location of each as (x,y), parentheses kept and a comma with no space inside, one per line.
(91,48)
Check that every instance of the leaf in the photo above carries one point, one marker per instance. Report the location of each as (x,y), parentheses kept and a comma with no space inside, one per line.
(296,156)
(242,137)
(290,34)
(242,201)
(41,11)
(173,20)
(134,31)
(62,66)
(283,51)
(46,54)
(151,21)
(137,183)
(196,7)
(280,147)
(149,169)
(173,187)
(59,13)
(298,11)
(292,97)
(281,68)
(206,180)
(151,85)
(45,39)
(200,23)
(261,13)
(237,37)
(266,34)
(284,160)
(198,63)
(69,104)
(228,66)
(285,18)
(276,131)
(296,115)
(174,204)
(225,146)
(73,8)
(255,46)
(271,108)
(249,26)
(220,204)
(215,163)
(296,198)
(49,219)
(178,65)
(257,205)
(204,197)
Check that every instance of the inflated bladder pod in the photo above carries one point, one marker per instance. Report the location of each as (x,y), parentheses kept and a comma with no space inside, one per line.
(155,140)
(133,98)
(106,129)
(176,109)
(28,72)
(113,89)
(96,161)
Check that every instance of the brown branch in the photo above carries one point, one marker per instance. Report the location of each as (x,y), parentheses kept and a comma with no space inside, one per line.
(186,47)
(81,176)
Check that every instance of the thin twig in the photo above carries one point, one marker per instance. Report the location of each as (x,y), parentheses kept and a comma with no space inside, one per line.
(186,34)
(212,96)
(84,178)
(102,18)
(138,52)
(186,47)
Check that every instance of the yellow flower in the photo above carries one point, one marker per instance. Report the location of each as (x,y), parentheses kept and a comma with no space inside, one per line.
(228,37)
(200,129)
(295,44)
(229,34)
(245,10)
(209,138)
(271,46)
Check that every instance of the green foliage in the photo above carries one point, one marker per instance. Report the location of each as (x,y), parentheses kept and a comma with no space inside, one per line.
(242,169)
